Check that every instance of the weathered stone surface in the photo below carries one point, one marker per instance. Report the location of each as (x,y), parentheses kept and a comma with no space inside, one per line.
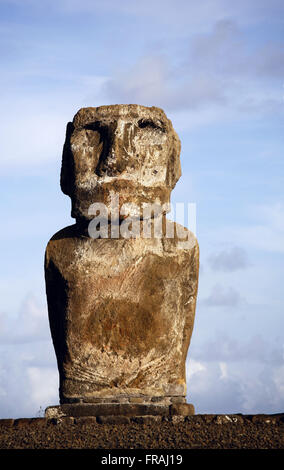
(147,419)
(130,149)
(183,409)
(176,419)
(225,419)
(21,422)
(59,420)
(178,399)
(106,409)
(121,310)
(85,420)
(157,399)
(7,422)
(121,313)
(119,419)
(147,432)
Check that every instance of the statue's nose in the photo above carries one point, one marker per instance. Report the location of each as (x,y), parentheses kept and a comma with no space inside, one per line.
(115,154)
(116,140)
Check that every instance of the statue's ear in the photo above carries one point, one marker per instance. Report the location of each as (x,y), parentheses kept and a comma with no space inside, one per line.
(174,167)
(67,177)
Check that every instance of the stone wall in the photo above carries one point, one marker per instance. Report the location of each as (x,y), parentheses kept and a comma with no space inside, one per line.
(144,432)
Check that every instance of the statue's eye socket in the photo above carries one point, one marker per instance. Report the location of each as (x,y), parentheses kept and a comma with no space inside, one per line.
(100,128)
(149,123)
(94,126)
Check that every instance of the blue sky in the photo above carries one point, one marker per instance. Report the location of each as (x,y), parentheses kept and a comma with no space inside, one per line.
(217,69)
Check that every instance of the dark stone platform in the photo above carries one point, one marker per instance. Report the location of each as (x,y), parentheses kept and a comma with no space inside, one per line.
(145,432)
(77,410)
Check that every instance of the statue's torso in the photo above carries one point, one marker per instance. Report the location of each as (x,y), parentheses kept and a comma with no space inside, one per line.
(121,313)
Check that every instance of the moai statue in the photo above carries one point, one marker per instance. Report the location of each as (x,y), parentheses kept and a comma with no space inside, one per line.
(121,304)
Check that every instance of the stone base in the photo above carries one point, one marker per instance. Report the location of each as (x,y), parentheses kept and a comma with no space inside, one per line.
(127,398)
(78,410)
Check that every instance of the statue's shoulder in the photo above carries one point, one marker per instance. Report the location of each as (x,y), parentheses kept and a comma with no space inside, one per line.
(62,241)
(70,231)
(179,237)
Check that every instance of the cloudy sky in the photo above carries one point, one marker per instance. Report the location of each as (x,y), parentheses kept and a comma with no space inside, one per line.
(217,69)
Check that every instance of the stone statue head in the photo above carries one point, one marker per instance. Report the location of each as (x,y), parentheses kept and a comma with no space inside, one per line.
(132,150)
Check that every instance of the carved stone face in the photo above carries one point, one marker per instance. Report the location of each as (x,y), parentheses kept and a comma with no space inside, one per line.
(131,150)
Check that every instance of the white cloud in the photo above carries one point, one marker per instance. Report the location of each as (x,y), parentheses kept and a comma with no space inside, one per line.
(242,387)
(28,379)
(222,296)
(225,52)
(32,140)
(144,83)
(223,348)
(229,260)
(265,231)
(30,324)
(33,124)
(210,394)
(152,81)
(223,370)
(219,69)
(278,379)
(28,370)
(43,385)
(194,367)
